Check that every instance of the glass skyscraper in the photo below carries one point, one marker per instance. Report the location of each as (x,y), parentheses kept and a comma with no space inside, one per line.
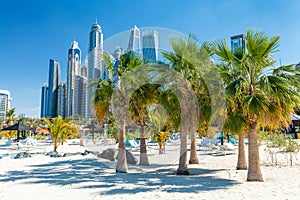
(61,99)
(5,101)
(53,81)
(238,43)
(80,94)
(73,70)
(44,101)
(134,39)
(95,67)
(150,46)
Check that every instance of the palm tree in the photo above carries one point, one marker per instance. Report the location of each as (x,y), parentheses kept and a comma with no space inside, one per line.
(235,123)
(128,61)
(140,100)
(261,89)
(159,118)
(188,59)
(60,129)
(10,115)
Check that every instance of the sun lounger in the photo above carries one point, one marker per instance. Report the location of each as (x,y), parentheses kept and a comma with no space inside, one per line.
(7,143)
(131,144)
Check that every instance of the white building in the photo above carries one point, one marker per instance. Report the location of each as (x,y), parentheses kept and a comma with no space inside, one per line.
(5,101)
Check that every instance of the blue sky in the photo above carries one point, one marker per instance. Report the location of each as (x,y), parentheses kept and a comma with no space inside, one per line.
(33,31)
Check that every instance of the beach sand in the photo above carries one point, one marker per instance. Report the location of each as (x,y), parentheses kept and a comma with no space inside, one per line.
(88,177)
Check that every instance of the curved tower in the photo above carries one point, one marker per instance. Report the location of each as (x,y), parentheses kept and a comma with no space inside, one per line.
(95,69)
(73,70)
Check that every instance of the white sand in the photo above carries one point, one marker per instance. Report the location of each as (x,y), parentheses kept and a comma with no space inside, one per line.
(87,177)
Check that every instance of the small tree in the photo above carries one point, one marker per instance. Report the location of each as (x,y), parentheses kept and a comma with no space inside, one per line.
(60,130)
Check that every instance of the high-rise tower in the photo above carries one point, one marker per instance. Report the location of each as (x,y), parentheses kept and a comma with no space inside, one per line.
(73,70)
(53,81)
(61,99)
(134,40)
(44,101)
(4,102)
(238,43)
(95,68)
(150,46)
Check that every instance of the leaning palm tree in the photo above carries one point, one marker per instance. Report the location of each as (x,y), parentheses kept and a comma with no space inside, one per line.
(262,90)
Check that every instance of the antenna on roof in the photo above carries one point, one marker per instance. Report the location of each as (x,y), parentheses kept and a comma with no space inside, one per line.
(96,20)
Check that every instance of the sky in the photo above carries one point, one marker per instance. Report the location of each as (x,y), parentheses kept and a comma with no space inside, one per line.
(34,31)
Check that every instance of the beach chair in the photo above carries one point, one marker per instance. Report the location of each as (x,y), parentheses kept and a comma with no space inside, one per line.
(228,147)
(131,144)
(7,143)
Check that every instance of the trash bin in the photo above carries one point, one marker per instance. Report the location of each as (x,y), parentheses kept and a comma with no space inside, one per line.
(298,136)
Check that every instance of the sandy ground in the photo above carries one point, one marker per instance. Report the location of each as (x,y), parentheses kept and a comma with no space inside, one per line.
(88,177)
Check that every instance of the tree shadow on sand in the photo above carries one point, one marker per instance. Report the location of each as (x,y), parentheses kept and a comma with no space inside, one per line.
(93,173)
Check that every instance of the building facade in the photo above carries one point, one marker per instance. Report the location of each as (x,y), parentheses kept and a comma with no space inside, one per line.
(95,66)
(80,94)
(5,101)
(134,39)
(62,100)
(150,46)
(44,101)
(53,81)
(238,43)
(73,70)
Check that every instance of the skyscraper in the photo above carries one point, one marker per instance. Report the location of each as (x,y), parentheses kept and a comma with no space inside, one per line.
(44,101)
(150,46)
(5,101)
(62,99)
(73,70)
(95,68)
(53,81)
(238,42)
(134,40)
(80,94)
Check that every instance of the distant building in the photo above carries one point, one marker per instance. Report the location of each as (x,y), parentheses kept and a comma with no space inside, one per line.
(95,67)
(62,99)
(44,101)
(53,81)
(5,101)
(73,70)
(238,42)
(150,46)
(134,39)
(80,93)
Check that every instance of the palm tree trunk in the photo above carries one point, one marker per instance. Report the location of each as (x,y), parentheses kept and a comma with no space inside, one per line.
(183,167)
(241,163)
(254,172)
(143,148)
(194,156)
(160,145)
(121,159)
(54,145)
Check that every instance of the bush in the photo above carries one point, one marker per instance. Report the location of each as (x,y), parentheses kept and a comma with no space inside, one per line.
(40,137)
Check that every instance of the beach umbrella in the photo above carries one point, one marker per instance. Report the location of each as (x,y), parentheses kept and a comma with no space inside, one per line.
(19,127)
